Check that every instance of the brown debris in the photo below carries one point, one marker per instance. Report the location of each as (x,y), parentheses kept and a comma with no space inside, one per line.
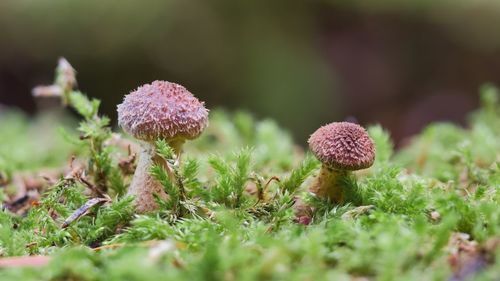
(303,212)
(251,188)
(435,216)
(127,165)
(83,210)
(31,261)
(467,257)
(123,143)
(28,187)
(50,91)
(27,191)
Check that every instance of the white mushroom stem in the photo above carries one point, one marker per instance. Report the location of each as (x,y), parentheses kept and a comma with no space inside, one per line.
(329,184)
(144,185)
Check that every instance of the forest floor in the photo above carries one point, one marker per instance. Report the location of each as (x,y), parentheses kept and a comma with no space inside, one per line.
(429,211)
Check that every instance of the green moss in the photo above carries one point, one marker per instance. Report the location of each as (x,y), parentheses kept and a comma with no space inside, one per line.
(215,229)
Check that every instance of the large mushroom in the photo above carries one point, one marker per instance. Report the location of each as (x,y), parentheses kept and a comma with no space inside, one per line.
(341,147)
(160,110)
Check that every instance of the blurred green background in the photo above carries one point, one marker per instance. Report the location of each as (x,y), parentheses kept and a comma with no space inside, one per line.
(304,63)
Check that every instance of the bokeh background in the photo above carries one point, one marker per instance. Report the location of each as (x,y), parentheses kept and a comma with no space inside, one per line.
(304,63)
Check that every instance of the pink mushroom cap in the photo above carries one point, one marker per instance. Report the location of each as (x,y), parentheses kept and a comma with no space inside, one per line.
(343,146)
(162,110)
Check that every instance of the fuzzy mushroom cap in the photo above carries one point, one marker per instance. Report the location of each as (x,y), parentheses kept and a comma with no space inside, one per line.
(162,110)
(343,146)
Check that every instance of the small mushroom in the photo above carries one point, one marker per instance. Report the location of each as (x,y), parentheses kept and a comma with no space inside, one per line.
(342,147)
(160,110)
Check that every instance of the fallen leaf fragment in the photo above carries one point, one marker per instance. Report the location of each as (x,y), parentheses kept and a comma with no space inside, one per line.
(26,261)
(83,210)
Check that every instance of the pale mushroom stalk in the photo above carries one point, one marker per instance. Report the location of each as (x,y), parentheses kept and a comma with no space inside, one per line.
(177,145)
(341,147)
(329,184)
(143,185)
(160,110)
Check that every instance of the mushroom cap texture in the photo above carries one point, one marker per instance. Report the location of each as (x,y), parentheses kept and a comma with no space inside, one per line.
(343,146)
(162,110)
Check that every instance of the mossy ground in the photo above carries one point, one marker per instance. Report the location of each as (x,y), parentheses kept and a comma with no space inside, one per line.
(427,212)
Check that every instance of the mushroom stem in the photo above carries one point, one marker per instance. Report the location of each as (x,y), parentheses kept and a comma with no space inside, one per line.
(176,145)
(144,185)
(329,184)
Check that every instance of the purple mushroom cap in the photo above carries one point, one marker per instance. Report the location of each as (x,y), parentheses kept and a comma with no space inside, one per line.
(343,146)
(162,110)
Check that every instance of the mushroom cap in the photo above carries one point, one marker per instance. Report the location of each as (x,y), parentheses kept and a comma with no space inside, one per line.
(343,146)
(162,110)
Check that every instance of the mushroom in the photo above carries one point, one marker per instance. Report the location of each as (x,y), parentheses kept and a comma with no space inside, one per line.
(160,110)
(342,147)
